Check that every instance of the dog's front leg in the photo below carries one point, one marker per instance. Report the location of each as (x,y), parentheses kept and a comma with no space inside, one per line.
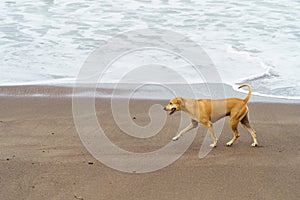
(212,133)
(192,125)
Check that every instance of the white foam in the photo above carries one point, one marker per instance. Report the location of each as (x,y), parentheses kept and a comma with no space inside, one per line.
(266,68)
(267,72)
(235,87)
(54,82)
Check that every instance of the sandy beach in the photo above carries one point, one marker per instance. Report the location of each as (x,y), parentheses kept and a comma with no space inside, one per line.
(42,157)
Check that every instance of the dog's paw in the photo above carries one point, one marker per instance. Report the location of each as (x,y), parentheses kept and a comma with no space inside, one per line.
(254,144)
(229,144)
(213,145)
(175,138)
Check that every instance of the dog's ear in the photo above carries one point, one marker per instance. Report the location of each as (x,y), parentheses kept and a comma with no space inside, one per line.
(180,101)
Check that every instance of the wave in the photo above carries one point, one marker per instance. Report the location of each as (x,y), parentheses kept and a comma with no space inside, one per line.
(269,72)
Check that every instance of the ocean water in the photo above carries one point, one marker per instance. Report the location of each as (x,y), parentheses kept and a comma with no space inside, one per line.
(258,42)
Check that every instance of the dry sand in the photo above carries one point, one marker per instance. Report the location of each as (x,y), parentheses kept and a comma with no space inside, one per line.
(42,157)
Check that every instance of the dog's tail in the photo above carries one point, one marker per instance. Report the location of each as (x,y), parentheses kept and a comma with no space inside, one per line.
(249,94)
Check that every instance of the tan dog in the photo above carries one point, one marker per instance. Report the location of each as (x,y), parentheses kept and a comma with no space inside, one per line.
(207,111)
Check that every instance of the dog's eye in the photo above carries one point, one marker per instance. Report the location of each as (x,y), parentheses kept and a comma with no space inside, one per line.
(171,103)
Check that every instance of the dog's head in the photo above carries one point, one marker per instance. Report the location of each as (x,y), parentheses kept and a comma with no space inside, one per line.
(175,104)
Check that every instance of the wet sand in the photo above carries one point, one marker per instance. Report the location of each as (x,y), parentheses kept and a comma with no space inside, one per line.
(42,157)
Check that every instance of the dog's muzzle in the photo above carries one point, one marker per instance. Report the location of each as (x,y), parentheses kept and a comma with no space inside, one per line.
(171,111)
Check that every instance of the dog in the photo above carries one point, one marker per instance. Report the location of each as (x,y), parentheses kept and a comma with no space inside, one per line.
(208,111)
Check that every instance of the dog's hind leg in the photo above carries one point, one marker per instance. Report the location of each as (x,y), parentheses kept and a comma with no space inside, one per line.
(234,126)
(246,125)
(236,116)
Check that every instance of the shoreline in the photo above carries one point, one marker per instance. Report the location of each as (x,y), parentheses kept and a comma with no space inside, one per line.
(134,91)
